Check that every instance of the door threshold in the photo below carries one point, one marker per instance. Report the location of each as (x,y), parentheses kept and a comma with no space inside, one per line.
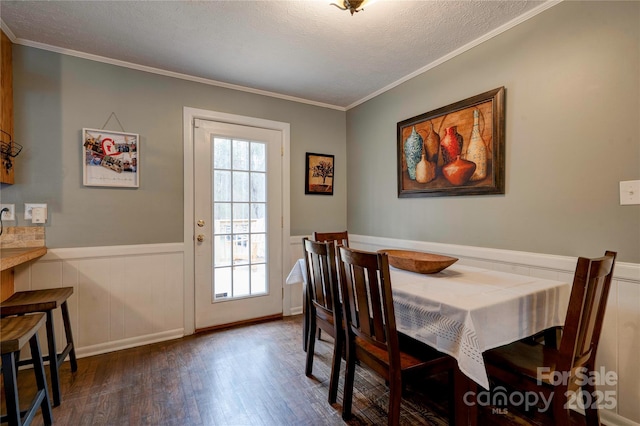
(240,323)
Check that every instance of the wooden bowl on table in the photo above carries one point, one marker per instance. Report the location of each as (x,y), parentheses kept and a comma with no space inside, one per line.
(417,261)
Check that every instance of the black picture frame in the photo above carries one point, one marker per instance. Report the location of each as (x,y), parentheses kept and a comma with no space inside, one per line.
(319,170)
(445,136)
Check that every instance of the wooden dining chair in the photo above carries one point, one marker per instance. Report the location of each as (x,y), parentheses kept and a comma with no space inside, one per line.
(371,335)
(559,372)
(325,307)
(340,238)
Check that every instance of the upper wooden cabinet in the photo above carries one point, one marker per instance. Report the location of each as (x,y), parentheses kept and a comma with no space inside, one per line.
(6,109)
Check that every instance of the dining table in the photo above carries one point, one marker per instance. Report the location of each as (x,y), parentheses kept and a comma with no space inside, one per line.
(464,311)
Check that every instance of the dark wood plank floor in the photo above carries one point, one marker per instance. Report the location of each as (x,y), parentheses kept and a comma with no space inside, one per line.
(251,375)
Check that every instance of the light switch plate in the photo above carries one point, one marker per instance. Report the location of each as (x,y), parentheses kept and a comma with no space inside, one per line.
(629,192)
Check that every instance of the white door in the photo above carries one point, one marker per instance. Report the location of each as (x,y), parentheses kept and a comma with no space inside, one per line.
(238,223)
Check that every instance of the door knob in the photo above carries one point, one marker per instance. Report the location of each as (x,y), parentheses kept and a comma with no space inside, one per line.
(200,238)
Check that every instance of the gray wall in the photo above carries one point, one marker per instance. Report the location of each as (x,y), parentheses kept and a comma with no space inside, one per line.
(55,96)
(572,78)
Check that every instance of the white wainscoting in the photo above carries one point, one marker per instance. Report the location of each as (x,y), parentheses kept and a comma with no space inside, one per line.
(620,340)
(123,296)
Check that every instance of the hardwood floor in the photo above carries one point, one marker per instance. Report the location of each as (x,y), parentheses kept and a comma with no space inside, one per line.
(250,375)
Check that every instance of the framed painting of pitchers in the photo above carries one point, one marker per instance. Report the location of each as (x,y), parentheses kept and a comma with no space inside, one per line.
(110,158)
(454,150)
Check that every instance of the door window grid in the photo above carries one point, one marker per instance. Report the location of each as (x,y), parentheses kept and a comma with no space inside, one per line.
(239,215)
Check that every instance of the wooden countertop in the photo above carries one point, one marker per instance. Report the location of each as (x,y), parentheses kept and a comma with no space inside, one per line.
(10,257)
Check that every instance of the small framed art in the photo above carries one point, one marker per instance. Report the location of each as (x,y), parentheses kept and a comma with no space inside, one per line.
(110,158)
(319,174)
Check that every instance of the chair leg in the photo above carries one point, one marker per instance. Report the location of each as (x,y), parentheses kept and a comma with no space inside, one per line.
(305,318)
(53,359)
(395,397)
(69,336)
(335,369)
(591,407)
(311,346)
(560,411)
(41,380)
(349,376)
(11,388)
(452,397)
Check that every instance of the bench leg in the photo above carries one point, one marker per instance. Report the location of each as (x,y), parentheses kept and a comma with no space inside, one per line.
(11,388)
(53,359)
(41,380)
(69,335)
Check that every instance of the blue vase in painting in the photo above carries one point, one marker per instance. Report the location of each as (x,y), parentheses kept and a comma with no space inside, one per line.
(413,146)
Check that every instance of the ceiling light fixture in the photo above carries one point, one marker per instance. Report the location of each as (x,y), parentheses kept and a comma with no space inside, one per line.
(352,6)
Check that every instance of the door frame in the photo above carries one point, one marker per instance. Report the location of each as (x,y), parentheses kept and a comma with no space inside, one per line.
(189,115)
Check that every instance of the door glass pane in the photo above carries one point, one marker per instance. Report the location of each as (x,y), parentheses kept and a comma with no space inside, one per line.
(241,281)
(258,157)
(258,187)
(240,155)
(240,249)
(239,216)
(222,218)
(221,153)
(240,186)
(258,279)
(222,283)
(258,248)
(222,250)
(258,217)
(221,185)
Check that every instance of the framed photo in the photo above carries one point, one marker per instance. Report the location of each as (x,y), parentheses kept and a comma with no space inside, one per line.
(454,150)
(319,175)
(110,158)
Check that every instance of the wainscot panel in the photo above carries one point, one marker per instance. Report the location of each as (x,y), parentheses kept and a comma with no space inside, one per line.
(123,296)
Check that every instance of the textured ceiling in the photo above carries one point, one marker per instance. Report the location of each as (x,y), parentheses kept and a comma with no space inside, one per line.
(302,49)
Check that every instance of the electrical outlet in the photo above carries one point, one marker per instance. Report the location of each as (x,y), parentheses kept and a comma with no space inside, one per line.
(28,207)
(11,214)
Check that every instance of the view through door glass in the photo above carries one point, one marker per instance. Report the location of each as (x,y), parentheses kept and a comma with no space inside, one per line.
(239,213)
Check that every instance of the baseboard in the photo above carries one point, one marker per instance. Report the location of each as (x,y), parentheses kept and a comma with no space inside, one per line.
(129,343)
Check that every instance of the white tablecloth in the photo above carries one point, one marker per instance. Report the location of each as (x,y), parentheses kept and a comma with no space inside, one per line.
(464,311)
(298,273)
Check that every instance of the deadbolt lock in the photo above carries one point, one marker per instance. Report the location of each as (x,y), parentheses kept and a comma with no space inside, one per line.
(201,223)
